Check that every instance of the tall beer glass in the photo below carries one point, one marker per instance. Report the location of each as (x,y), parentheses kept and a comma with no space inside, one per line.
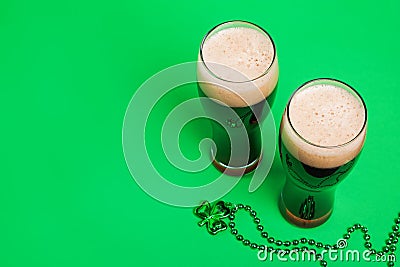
(237,70)
(322,133)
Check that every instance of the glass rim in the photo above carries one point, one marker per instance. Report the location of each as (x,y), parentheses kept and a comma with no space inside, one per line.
(244,22)
(334,81)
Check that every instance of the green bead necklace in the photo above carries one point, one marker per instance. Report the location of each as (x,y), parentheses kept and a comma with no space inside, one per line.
(212,217)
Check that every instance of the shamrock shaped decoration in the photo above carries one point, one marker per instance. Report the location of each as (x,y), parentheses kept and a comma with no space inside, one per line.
(212,216)
(234,123)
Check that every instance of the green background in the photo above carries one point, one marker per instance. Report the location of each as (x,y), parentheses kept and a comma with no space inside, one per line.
(67,73)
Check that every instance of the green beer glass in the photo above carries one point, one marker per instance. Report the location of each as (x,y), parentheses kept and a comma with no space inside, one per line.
(322,133)
(237,70)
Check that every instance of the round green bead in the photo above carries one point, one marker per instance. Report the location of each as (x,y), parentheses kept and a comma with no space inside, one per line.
(392,248)
(367,237)
(368,245)
(271,240)
(323,263)
(260,228)
(257,220)
(232,225)
(319,245)
(239,237)
(395,228)
(253,213)
(346,236)
(240,206)
(311,242)
(261,247)
(246,242)
(287,243)
(278,242)
(364,229)
(253,245)
(264,234)
(247,207)
(234,231)
(303,240)
(295,242)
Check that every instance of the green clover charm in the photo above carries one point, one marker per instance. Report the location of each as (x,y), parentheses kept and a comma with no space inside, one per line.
(212,216)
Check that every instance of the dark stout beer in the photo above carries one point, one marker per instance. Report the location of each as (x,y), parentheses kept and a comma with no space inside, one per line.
(322,133)
(248,117)
(237,70)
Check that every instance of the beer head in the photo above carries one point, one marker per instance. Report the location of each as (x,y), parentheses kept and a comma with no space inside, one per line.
(237,64)
(324,124)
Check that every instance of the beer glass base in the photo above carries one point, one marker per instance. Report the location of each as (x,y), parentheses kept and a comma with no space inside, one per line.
(290,217)
(236,171)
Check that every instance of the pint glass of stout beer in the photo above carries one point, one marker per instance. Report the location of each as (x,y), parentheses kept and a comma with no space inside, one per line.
(321,136)
(237,71)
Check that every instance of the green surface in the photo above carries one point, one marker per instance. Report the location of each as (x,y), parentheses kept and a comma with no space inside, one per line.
(67,73)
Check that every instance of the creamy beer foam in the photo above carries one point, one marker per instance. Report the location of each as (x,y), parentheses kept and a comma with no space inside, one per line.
(232,58)
(324,115)
(243,49)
